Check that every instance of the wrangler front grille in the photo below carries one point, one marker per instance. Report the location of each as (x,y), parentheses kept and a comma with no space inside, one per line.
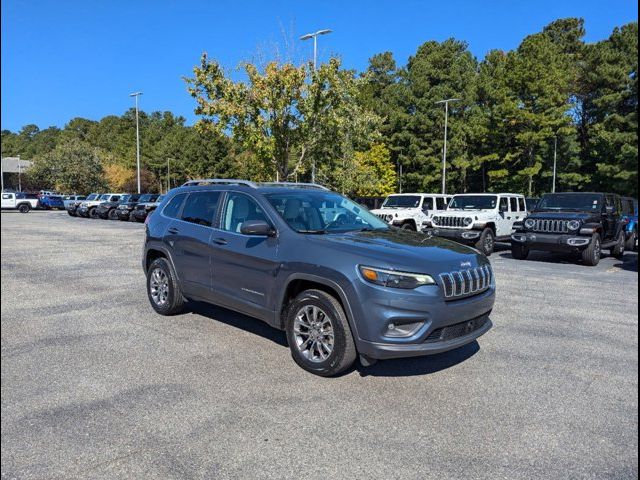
(455,222)
(551,226)
(466,282)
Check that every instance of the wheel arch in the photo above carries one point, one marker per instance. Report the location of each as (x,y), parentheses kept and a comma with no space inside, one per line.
(299,282)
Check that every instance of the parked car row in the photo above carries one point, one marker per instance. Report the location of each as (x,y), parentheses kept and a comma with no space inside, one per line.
(115,206)
(581,223)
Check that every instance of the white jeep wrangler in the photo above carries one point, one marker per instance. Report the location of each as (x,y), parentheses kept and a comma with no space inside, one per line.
(23,202)
(412,211)
(480,219)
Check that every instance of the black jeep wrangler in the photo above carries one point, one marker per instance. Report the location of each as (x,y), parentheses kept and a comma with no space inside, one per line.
(583,223)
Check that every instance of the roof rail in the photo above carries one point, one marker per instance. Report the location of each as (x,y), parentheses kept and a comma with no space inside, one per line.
(219,181)
(294,184)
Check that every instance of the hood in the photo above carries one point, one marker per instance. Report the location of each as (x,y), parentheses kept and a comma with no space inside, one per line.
(390,210)
(584,216)
(404,250)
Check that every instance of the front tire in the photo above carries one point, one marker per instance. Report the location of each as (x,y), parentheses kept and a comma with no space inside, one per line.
(630,244)
(519,252)
(408,226)
(318,334)
(163,289)
(487,242)
(591,255)
(93,213)
(112,215)
(71,214)
(24,208)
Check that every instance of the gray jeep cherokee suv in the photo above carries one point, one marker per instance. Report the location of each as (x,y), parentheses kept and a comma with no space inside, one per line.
(337,279)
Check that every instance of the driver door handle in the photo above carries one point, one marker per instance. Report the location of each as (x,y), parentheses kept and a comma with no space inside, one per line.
(219,241)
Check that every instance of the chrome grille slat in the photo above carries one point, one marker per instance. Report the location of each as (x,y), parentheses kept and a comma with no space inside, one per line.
(551,226)
(466,282)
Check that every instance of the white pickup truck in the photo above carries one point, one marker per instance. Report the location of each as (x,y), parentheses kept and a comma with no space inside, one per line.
(412,211)
(23,202)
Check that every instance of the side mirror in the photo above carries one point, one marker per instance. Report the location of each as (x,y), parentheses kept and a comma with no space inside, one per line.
(257,228)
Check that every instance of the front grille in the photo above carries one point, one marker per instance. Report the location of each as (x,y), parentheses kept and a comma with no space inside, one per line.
(458,330)
(466,282)
(551,226)
(454,222)
(140,207)
(385,217)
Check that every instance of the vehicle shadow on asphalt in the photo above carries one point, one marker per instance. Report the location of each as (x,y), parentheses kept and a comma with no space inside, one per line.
(407,367)
(238,320)
(629,263)
(402,367)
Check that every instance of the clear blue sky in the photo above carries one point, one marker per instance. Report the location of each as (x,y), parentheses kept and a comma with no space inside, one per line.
(81,58)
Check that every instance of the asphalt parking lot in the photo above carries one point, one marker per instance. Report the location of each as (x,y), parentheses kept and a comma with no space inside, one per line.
(96,385)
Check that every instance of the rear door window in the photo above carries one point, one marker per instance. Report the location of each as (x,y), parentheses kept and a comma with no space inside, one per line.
(521,204)
(504,204)
(514,204)
(427,203)
(200,208)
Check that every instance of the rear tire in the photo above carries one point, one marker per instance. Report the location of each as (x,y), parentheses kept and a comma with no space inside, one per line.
(591,255)
(24,208)
(487,242)
(308,344)
(163,289)
(618,250)
(519,252)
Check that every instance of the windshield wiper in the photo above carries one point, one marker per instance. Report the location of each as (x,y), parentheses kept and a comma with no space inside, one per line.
(313,232)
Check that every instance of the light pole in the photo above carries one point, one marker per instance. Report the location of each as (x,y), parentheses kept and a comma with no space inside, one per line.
(315,43)
(19,174)
(444,150)
(136,95)
(315,66)
(555,162)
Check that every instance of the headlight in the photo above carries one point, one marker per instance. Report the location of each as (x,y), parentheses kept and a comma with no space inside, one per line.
(434,220)
(529,223)
(573,224)
(394,279)
(468,221)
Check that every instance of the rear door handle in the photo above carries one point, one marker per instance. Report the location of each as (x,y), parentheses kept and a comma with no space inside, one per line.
(219,241)
(173,230)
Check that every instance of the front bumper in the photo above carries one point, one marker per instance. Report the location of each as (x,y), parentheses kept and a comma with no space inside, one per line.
(460,235)
(123,214)
(551,242)
(140,214)
(425,307)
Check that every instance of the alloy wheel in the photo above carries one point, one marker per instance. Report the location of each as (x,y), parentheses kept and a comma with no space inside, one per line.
(313,333)
(159,287)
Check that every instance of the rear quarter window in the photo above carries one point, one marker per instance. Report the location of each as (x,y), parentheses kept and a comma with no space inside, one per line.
(172,208)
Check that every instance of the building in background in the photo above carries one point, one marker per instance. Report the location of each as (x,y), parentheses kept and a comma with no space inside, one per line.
(12,169)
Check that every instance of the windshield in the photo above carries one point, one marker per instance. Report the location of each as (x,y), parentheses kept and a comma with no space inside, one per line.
(104,196)
(125,198)
(149,197)
(323,212)
(402,201)
(583,202)
(93,196)
(473,202)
